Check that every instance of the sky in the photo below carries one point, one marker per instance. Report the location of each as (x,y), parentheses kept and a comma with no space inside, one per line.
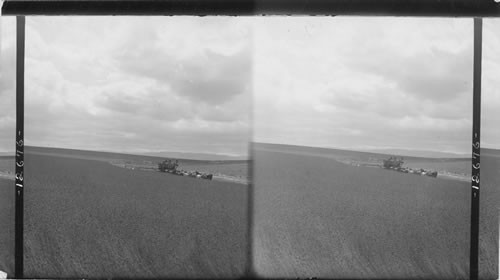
(490,85)
(211,84)
(138,84)
(364,83)
(7,85)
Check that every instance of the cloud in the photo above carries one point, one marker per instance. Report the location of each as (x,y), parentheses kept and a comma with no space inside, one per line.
(227,76)
(207,77)
(7,84)
(490,92)
(354,82)
(436,75)
(105,82)
(8,73)
(134,89)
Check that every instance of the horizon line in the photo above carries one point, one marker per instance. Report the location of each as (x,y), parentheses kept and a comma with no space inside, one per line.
(374,150)
(371,150)
(138,153)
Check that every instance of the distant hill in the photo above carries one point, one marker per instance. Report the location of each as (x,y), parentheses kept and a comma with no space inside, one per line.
(490,152)
(7,157)
(195,156)
(418,153)
(377,153)
(7,154)
(101,155)
(274,147)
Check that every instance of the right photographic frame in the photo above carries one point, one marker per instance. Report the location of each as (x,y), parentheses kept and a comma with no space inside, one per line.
(362,149)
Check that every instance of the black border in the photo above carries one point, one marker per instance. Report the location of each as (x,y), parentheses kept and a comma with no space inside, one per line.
(438,8)
(19,182)
(476,129)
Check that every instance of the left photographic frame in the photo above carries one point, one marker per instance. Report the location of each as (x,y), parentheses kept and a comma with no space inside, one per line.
(136,147)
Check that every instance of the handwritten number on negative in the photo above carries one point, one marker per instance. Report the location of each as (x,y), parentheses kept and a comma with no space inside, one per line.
(476,145)
(475,178)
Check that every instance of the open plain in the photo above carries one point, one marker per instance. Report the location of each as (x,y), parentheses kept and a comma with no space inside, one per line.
(87,218)
(7,215)
(318,217)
